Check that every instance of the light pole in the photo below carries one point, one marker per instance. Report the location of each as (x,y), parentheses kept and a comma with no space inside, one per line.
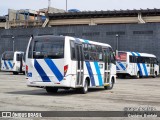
(66,5)
(13,42)
(117,42)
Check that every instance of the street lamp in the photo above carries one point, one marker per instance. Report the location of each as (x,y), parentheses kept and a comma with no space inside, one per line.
(66,5)
(13,42)
(117,40)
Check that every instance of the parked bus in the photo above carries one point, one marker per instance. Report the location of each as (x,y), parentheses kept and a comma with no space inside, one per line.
(13,62)
(56,62)
(136,64)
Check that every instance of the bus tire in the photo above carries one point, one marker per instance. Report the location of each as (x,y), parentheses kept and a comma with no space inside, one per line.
(138,75)
(155,75)
(15,73)
(110,85)
(51,89)
(84,89)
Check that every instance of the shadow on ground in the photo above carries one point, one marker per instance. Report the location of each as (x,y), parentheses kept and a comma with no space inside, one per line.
(61,92)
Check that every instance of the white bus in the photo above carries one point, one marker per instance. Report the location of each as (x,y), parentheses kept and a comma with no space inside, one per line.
(56,62)
(13,62)
(136,64)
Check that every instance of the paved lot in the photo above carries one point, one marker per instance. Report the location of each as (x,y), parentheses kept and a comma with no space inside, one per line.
(16,96)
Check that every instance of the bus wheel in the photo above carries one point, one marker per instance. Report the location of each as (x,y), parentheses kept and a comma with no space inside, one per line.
(138,75)
(110,85)
(155,75)
(51,89)
(84,89)
(15,73)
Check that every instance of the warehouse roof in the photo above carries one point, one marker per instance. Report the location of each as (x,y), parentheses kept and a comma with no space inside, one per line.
(102,14)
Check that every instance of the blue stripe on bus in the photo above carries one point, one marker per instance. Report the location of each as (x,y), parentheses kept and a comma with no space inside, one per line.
(139,67)
(122,66)
(117,68)
(54,69)
(5,64)
(145,69)
(10,64)
(144,66)
(98,73)
(41,72)
(90,73)
(140,70)
(86,41)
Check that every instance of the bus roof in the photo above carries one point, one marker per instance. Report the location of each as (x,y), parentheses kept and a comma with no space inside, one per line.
(76,39)
(137,54)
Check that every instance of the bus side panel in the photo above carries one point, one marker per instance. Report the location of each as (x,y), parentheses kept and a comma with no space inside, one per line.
(72,74)
(16,63)
(156,67)
(7,65)
(113,71)
(95,71)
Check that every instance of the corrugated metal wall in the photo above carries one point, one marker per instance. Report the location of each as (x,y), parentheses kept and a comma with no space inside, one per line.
(132,37)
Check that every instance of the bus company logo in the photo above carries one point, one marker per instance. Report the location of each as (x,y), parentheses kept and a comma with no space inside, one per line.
(6,114)
(29,74)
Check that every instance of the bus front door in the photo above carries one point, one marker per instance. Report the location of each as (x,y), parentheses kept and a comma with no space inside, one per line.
(151,67)
(80,73)
(107,65)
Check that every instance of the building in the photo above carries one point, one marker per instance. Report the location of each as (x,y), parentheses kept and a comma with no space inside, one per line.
(2,22)
(130,30)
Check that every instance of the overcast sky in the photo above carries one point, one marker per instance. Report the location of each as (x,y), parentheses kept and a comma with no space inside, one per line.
(78,4)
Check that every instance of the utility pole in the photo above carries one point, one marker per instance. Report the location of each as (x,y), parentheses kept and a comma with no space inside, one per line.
(117,43)
(13,42)
(49,5)
(66,5)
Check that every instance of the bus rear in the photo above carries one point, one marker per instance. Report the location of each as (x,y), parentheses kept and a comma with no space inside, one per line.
(121,64)
(46,65)
(7,61)
(13,62)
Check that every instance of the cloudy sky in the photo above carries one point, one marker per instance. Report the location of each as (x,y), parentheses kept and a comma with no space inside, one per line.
(79,4)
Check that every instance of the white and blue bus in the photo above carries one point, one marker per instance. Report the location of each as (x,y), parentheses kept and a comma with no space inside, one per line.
(136,64)
(13,62)
(55,62)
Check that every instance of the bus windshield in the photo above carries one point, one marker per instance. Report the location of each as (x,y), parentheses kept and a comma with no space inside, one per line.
(122,56)
(53,49)
(8,56)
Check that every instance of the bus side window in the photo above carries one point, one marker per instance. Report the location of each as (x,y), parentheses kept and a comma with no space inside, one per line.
(100,57)
(156,61)
(132,59)
(112,57)
(73,53)
(86,55)
(18,57)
